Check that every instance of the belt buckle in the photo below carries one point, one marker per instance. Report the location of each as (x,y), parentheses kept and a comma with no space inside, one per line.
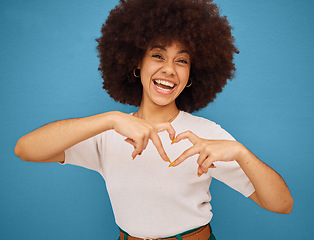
(148,239)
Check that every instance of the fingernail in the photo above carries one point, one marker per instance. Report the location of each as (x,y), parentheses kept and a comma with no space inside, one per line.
(168,159)
(171,164)
(173,141)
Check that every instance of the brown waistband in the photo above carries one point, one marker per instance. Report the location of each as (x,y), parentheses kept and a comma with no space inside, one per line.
(202,233)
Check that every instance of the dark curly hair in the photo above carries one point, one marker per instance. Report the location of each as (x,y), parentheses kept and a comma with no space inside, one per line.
(135,24)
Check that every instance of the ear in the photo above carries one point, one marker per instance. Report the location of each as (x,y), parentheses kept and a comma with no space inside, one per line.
(139,64)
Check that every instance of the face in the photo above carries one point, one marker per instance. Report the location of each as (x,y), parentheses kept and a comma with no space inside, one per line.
(165,72)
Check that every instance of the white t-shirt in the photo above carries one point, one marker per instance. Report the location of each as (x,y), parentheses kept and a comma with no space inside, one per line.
(149,199)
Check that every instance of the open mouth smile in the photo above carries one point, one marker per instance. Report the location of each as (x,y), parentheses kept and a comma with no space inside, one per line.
(164,86)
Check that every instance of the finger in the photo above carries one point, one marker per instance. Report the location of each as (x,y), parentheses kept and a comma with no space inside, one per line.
(141,144)
(199,171)
(168,127)
(131,141)
(157,142)
(208,163)
(186,154)
(187,135)
(212,166)
(138,147)
(204,169)
(134,154)
(201,158)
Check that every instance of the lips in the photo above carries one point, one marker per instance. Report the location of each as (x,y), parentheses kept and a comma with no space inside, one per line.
(164,85)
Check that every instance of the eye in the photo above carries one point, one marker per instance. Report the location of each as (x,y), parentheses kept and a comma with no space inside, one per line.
(157,56)
(182,61)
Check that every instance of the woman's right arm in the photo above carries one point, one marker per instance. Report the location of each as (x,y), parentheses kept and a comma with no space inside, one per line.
(48,143)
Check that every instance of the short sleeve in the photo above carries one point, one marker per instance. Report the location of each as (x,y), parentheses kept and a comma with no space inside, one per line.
(87,154)
(232,175)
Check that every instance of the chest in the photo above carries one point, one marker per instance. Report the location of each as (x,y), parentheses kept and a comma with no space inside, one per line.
(148,173)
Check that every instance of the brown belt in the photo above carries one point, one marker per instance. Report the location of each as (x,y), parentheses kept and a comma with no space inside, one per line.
(202,233)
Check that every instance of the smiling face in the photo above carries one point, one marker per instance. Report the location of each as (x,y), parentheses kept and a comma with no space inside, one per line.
(165,72)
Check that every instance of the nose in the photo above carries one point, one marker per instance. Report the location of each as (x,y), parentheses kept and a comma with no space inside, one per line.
(168,68)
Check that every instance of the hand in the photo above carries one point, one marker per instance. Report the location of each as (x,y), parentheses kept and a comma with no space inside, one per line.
(271,191)
(139,131)
(209,151)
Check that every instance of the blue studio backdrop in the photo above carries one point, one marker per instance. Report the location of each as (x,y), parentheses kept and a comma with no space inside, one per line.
(49,72)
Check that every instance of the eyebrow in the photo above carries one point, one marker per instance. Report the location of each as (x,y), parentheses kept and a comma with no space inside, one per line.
(164,49)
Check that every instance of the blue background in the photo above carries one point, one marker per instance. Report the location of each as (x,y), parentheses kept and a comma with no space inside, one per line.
(49,72)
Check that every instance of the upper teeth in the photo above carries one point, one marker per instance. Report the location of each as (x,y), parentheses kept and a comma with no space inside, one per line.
(169,84)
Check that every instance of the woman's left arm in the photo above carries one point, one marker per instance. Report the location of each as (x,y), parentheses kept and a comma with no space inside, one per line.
(271,191)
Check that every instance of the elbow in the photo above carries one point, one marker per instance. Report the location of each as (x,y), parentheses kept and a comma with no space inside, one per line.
(285,207)
(18,150)
(282,207)
(288,206)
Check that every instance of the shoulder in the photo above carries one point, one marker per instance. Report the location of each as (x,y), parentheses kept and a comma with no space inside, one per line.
(188,117)
(202,127)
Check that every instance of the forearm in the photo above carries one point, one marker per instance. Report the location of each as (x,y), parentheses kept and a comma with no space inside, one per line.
(271,190)
(52,139)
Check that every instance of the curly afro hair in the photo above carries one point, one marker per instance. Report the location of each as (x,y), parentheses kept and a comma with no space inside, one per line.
(134,25)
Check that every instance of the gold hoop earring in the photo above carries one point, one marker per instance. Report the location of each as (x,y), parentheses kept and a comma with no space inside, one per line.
(190,83)
(134,72)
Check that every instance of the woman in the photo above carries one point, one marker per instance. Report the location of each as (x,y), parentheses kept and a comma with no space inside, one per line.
(169,57)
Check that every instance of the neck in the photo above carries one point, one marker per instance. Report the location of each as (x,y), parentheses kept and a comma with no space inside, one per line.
(157,114)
